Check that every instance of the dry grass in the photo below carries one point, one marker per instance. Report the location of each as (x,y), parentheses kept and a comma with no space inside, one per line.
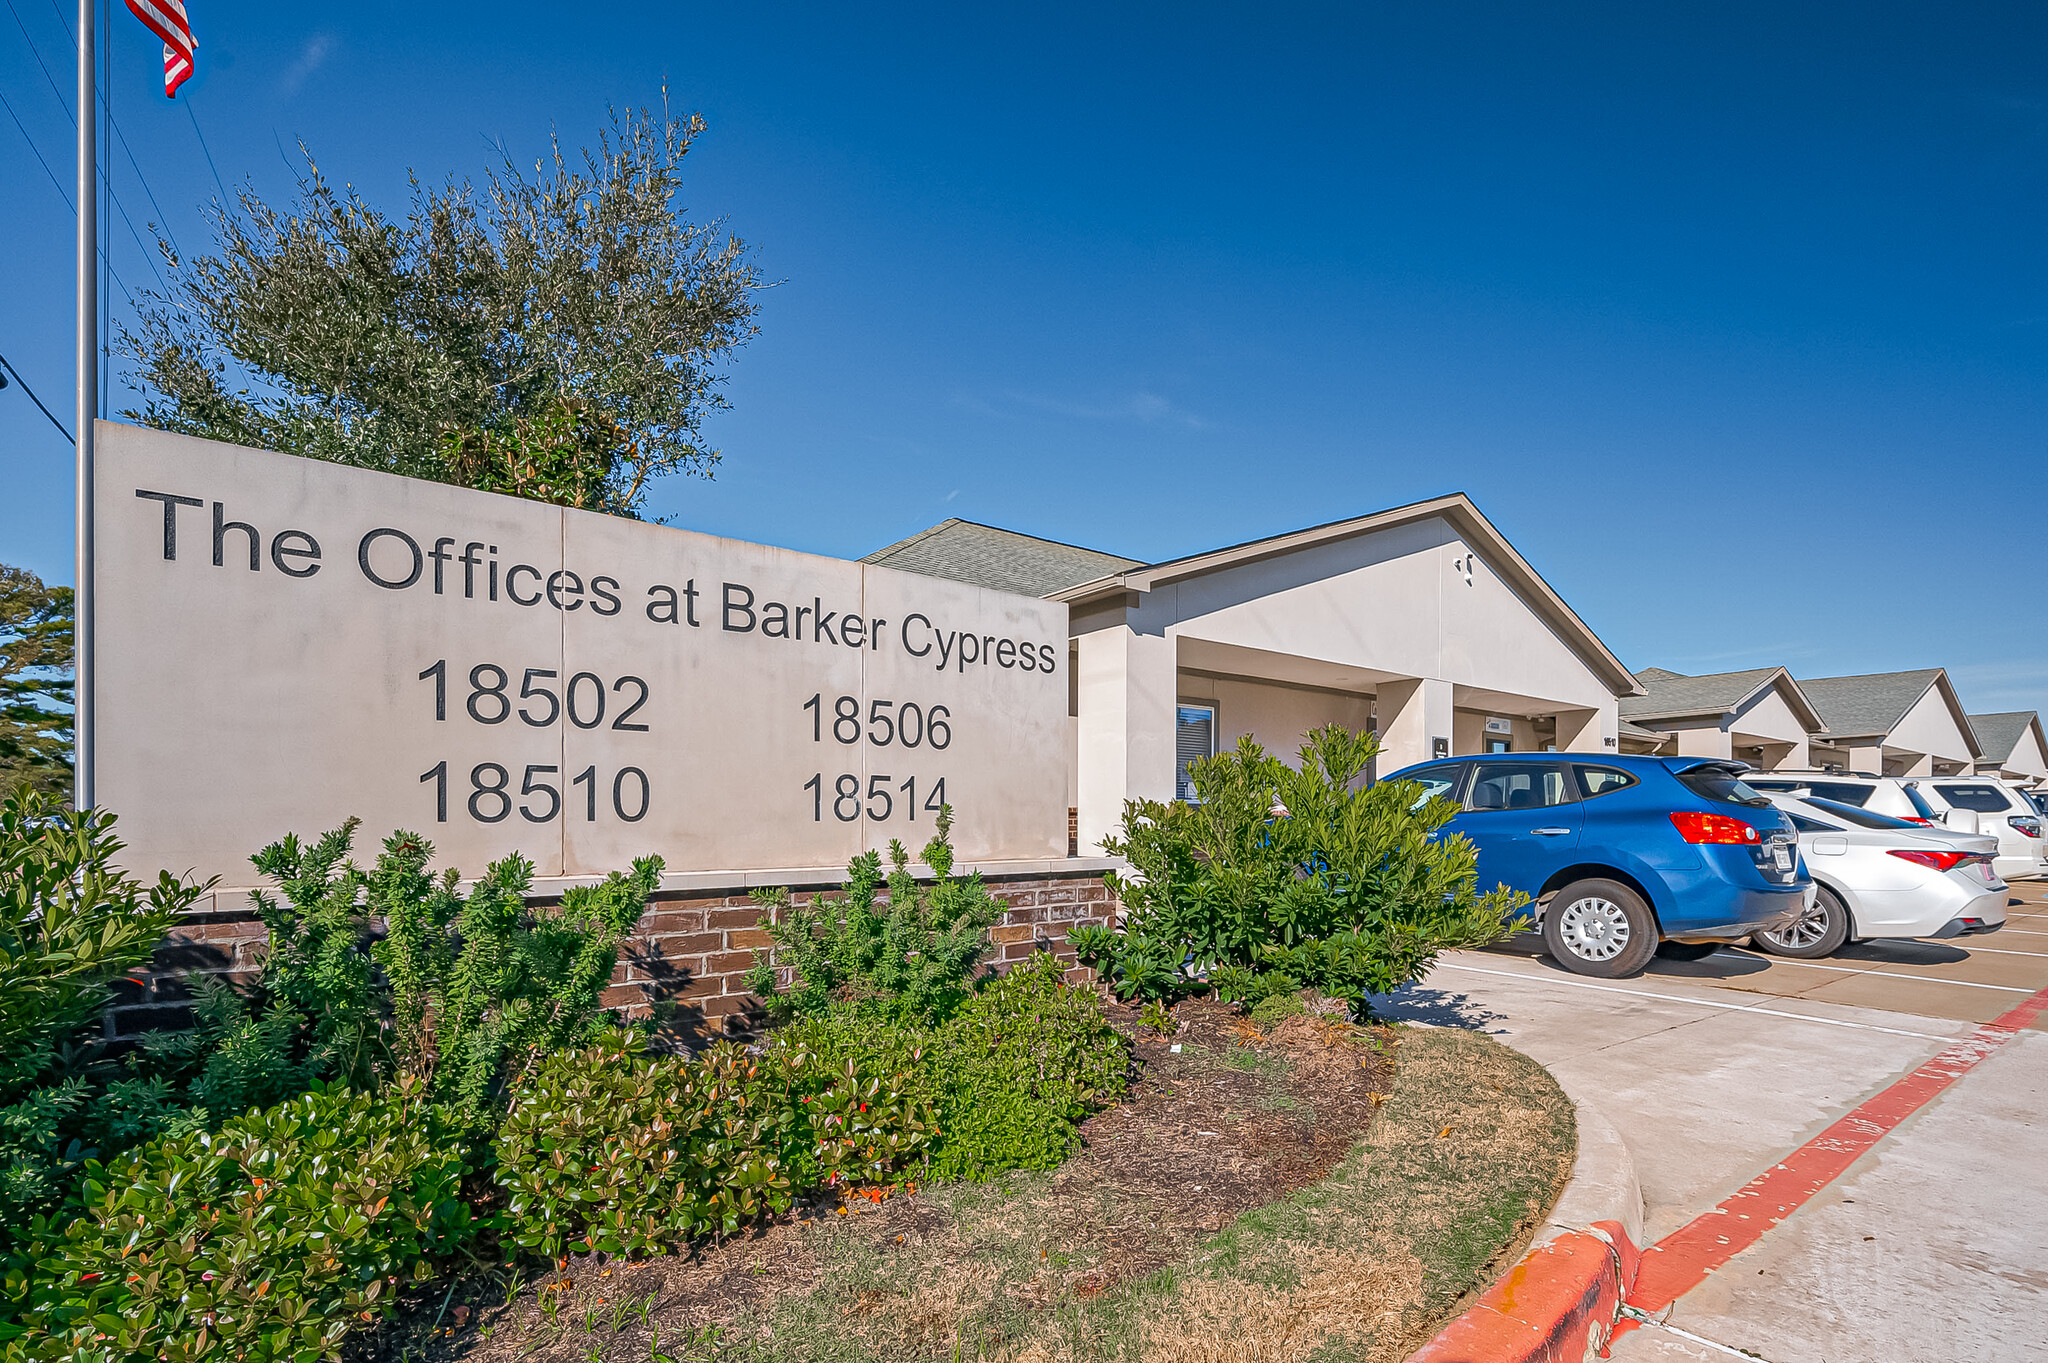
(1450,1181)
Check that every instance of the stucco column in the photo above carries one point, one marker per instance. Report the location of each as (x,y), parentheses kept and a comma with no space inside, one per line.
(1869,757)
(1124,733)
(1704,743)
(1923,765)
(1584,731)
(1412,714)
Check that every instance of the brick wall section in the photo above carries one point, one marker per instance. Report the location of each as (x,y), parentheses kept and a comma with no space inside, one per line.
(692,947)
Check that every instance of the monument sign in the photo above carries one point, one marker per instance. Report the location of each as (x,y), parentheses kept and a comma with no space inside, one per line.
(285,642)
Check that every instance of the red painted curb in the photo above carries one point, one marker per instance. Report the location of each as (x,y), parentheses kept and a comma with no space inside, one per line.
(1561,1303)
(1682,1260)
(1557,1305)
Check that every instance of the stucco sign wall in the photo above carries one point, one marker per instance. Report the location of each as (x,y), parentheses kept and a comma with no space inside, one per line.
(284,643)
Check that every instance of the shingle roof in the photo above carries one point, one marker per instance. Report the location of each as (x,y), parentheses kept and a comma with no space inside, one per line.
(1999,734)
(1002,560)
(1857,707)
(1641,735)
(1673,693)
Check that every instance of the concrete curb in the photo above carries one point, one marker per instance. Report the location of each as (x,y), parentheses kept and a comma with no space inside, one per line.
(1558,1304)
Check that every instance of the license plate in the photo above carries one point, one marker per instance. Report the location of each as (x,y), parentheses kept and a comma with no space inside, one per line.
(1781,855)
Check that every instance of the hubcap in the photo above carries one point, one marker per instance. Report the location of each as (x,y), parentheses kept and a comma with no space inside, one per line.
(1811,927)
(1594,929)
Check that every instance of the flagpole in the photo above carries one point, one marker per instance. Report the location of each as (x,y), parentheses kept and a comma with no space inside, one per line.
(88,406)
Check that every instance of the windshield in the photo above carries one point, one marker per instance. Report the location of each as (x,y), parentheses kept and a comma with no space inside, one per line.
(1860,818)
(1920,805)
(1718,783)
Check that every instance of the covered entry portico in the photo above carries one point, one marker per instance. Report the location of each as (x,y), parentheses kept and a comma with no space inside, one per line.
(1421,622)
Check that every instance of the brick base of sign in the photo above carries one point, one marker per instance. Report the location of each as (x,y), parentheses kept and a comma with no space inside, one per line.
(692,948)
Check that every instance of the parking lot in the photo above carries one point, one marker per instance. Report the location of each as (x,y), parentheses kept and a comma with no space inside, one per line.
(1969,979)
(1720,1070)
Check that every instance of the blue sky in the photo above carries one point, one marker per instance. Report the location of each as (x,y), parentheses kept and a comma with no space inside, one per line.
(1734,319)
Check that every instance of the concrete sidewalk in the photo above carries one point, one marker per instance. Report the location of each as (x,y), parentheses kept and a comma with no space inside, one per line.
(1711,1086)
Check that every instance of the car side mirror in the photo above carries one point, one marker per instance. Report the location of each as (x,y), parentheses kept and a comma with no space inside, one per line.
(1962,820)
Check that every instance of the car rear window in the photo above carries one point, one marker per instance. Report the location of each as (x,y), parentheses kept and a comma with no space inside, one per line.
(1844,791)
(1715,783)
(1806,825)
(1601,780)
(1861,818)
(1985,799)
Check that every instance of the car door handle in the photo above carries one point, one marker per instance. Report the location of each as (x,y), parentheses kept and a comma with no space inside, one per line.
(1550,832)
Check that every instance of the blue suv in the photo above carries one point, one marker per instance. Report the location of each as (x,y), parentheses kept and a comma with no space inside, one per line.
(1622,853)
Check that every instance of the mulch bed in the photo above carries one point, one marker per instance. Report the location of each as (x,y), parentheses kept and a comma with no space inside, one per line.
(1229,1121)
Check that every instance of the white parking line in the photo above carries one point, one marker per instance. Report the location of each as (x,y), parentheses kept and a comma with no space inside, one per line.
(1882,974)
(1996,951)
(1699,1003)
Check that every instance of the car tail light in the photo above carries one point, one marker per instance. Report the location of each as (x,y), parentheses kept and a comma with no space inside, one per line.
(1940,861)
(1914,818)
(1714,828)
(2028,827)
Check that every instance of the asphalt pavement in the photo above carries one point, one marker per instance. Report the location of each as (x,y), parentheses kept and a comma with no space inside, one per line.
(1715,1071)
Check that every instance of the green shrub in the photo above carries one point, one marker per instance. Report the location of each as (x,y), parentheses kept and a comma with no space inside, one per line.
(913,958)
(1021,1065)
(460,991)
(1270,1010)
(609,1149)
(1011,1075)
(71,924)
(263,1241)
(481,986)
(1350,890)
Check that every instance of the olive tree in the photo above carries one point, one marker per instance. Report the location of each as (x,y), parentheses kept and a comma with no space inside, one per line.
(557,334)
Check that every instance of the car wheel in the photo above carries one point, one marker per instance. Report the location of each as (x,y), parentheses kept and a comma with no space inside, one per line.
(1819,931)
(1600,928)
(1687,951)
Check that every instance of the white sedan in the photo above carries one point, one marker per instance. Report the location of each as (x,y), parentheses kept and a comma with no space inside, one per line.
(1883,877)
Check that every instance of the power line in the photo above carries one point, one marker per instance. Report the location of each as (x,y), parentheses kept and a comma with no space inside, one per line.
(4,103)
(105,174)
(62,193)
(33,398)
(225,199)
(162,217)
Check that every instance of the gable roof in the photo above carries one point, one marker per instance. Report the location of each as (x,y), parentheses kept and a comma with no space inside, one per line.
(1456,509)
(1002,560)
(1673,694)
(1871,705)
(1999,734)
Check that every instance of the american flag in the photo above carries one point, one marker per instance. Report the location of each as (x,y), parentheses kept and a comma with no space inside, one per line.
(166,19)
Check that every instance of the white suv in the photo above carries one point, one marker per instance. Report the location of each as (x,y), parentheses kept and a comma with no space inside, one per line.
(1987,804)
(1965,804)
(1878,794)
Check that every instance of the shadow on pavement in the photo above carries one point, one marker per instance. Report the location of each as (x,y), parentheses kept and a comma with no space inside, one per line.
(1904,951)
(1435,1008)
(1725,964)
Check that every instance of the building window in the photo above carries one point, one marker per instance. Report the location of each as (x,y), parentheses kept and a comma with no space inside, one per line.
(1499,745)
(1194,738)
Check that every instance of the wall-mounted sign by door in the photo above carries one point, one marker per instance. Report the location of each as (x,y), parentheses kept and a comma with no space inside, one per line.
(284,643)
